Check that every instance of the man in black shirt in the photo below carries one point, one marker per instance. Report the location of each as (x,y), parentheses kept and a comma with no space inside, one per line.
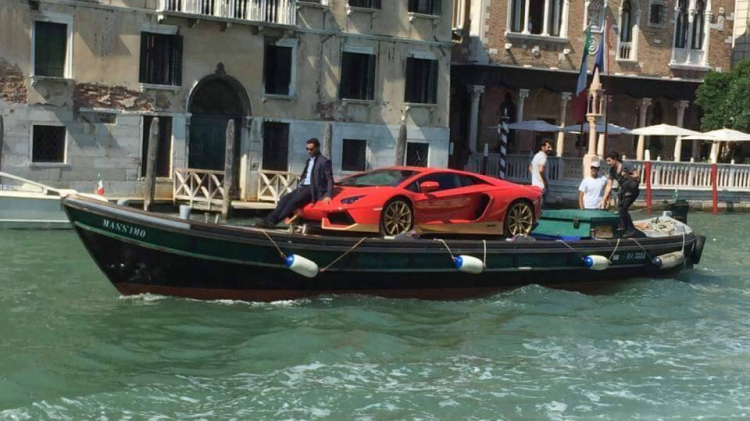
(628,178)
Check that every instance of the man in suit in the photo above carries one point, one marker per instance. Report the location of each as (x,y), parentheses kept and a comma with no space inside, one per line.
(315,184)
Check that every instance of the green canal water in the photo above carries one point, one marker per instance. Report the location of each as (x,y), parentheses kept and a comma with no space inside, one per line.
(71,348)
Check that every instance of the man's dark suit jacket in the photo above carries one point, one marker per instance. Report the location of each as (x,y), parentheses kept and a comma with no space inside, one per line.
(321,179)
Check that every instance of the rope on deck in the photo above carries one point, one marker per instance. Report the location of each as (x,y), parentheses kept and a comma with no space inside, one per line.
(345,253)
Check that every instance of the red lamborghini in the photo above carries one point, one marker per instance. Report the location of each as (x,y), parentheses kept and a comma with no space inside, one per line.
(394,200)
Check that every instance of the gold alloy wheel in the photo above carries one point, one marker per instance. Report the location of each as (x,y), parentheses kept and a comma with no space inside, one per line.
(520,219)
(397,218)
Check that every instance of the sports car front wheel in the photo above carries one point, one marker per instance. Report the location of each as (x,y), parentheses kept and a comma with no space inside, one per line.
(396,217)
(519,219)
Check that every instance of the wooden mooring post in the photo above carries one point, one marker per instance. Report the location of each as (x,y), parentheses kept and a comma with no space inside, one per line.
(228,171)
(153,149)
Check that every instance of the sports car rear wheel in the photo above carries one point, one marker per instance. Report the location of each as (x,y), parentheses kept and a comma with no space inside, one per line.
(519,219)
(396,217)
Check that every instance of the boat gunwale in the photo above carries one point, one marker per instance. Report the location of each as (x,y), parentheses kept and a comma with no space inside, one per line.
(254,236)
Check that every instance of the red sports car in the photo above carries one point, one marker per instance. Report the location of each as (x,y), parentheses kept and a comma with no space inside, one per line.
(394,200)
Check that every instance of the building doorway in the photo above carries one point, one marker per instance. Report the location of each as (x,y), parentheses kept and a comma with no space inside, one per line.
(214,102)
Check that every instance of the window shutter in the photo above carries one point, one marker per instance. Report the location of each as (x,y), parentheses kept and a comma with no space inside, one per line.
(436,7)
(346,76)
(413,5)
(409,80)
(41,58)
(433,84)
(376,4)
(143,71)
(371,62)
(176,64)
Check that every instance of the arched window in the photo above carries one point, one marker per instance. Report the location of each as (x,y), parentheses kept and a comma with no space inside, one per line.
(698,25)
(517,15)
(545,17)
(596,14)
(555,17)
(681,26)
(626,33)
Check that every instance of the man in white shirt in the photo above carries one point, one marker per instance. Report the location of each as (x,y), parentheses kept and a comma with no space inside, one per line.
(537,168)
(591,190)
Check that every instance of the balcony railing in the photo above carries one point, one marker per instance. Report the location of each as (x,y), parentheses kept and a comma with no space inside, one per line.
(664,174)
(625,51)
(688,57)
(282,12)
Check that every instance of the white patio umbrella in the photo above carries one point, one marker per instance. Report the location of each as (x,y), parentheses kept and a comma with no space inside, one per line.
(662,130)
(611,129)
(717,136)
(721,135)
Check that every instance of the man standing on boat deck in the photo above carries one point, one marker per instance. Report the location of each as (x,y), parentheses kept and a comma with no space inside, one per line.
(537,169)
(591,190)
(315,184)
(628,178)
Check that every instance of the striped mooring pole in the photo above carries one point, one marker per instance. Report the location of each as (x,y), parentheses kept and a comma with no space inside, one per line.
(503,131)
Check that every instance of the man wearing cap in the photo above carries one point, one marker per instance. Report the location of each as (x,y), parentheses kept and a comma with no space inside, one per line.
(591,190)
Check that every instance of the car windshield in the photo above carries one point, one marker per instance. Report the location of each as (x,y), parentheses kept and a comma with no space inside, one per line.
(377,178)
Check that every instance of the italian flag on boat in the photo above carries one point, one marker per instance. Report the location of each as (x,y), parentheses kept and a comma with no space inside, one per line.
(99,185)
(580,105)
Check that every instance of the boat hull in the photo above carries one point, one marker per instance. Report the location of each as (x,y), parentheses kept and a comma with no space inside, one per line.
(146,253)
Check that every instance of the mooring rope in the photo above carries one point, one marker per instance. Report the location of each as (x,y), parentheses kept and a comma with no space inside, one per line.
(614,251)
(283,256)
(345,253)
(447,248)
(484,258)
(574,250)
(644,250)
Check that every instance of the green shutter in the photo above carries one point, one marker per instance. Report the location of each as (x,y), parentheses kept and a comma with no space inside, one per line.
(143,69)
(409,80)
(433,84)
(176,64)
(436,7)
(371,63)
(50,46)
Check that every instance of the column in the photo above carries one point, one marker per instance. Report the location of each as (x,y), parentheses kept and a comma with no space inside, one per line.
(522,95)
(645,103)
(564,98)
(526,17)
(681,106)
(475,92)
(545,29)
(564,24)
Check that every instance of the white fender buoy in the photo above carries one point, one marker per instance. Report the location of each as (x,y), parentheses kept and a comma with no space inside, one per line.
(669,260)
(595,262)
(301,265)
(469,264)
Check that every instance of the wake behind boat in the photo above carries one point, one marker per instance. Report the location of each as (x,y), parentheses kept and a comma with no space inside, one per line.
(143,252)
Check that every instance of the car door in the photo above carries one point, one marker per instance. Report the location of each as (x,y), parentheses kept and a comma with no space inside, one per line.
(455,200)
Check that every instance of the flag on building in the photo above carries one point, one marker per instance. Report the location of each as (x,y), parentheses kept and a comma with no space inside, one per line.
(580,101)
(600,65)
(99,185)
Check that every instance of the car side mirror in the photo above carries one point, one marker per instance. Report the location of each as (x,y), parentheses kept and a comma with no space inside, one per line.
(429,186)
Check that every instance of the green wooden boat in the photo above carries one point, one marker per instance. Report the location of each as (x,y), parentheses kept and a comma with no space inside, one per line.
(144,252)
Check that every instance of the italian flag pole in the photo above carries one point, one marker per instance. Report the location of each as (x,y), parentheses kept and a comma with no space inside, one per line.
(99,185)
(580,104)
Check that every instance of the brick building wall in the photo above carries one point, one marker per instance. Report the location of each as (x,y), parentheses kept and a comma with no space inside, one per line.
(510,62)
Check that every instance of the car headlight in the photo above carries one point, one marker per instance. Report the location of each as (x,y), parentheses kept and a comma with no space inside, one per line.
(350,200)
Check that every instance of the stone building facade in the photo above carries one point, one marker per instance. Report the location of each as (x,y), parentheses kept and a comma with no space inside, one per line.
(81,80)
(517,57)
(742,31)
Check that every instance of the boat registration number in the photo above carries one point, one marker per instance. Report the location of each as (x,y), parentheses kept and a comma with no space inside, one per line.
(124,228)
